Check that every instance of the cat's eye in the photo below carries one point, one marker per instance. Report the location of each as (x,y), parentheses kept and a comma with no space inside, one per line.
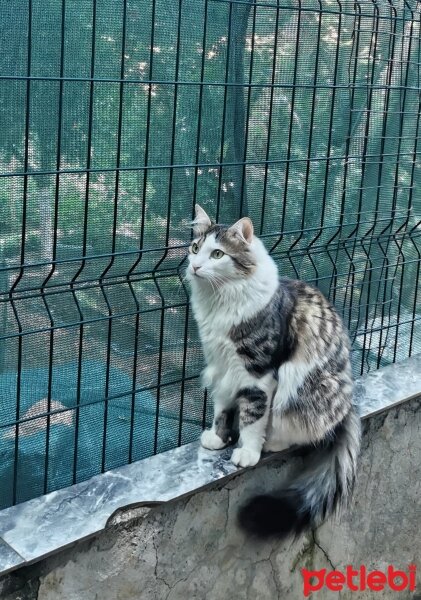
(194,248)
(217,254)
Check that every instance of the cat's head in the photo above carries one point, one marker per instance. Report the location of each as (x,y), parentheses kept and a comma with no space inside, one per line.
(221,253)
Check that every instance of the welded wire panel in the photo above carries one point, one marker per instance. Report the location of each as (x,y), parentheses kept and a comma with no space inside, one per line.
(116,117)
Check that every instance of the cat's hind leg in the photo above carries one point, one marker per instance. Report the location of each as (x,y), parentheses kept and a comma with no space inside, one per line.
(284,432)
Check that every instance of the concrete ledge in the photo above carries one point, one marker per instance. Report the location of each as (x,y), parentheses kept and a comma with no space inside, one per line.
(38,528)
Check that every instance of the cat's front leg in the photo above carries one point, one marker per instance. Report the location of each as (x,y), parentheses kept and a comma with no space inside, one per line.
(223,430)
(254,406)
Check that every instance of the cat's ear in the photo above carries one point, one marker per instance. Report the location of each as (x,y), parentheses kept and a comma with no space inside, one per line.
(201,222)
(243,229)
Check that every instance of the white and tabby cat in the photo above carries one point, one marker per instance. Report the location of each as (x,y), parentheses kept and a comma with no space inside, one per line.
(278,369)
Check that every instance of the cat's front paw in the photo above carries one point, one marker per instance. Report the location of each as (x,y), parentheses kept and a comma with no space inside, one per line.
(245,457)
(211,441)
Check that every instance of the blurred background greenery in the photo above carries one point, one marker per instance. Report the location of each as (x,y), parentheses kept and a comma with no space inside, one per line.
(116,116)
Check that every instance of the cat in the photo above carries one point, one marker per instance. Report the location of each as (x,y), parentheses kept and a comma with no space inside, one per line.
(278,368)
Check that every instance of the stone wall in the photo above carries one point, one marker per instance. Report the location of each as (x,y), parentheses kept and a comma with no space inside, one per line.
(192,549)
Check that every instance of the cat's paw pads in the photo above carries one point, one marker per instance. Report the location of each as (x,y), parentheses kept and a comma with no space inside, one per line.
(211,441)
(244,457)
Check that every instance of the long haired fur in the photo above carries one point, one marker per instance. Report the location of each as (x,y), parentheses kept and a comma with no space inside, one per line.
(278,369)
(323,487)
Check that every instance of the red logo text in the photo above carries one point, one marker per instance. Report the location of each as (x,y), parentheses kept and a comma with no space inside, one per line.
(358,580)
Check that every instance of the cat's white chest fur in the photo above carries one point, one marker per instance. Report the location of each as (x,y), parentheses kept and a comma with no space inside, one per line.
(221,355)
(216,314)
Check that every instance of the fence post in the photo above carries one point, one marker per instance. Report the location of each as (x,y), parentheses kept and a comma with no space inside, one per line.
(3,305)
(235,115)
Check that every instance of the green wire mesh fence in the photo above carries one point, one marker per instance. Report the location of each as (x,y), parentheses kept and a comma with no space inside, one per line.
(116,117)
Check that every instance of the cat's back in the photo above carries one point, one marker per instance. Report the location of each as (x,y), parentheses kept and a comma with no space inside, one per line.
(314,321)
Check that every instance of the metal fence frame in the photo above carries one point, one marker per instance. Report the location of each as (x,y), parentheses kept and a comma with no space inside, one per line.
(346,238)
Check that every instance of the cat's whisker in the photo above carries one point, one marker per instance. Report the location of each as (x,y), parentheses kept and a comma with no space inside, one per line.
(181,291)
(216,280)
(213,284)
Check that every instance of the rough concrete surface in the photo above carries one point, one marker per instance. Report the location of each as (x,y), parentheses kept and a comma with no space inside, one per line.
(192,548)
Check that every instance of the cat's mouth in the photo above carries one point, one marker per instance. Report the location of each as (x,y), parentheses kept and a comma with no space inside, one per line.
(195,273)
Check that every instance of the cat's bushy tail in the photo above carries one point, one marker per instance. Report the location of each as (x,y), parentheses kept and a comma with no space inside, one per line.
(324,486)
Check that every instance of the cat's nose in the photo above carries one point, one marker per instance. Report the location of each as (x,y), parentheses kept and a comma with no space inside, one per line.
(195,269)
